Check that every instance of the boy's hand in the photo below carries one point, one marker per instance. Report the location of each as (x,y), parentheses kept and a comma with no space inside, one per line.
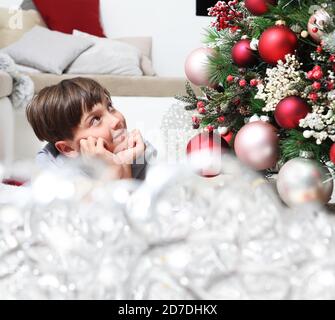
(95,148)
(130,149)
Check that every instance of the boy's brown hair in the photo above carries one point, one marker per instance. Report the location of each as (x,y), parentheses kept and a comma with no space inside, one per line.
(57,110)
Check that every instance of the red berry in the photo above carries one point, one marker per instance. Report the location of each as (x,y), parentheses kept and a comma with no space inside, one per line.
(202,110)
(317,68)
(310,75)
(315,29)
(200,104)
(230,78)
(236,101)
(253,82)
(221,119)
(210,128)
(318,74)
(332,58)
(242,83)
(313,96)
(195,120)
(330,85)
(318,49)
(316,85)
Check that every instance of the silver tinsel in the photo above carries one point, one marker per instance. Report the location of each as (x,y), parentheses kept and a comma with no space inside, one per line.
(176,236)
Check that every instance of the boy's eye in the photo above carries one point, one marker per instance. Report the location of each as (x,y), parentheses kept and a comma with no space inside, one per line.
(110,107)
(95,121)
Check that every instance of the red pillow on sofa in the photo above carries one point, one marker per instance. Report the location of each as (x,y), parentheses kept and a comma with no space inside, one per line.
(67,15)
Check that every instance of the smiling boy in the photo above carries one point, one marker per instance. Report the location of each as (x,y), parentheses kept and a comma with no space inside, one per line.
(77,119)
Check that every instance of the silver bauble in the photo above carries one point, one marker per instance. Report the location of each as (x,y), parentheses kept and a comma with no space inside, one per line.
(302,181)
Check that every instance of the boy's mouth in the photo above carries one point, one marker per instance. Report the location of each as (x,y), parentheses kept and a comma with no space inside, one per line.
(118,136)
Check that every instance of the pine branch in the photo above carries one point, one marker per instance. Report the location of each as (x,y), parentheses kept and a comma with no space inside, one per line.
(190,107)
(189,90)
(293,141)
(185,99)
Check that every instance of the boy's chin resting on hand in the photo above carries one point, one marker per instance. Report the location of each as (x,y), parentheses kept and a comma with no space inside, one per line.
(118,163)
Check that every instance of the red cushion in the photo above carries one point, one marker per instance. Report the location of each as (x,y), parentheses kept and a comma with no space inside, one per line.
(67,15)
(13,182)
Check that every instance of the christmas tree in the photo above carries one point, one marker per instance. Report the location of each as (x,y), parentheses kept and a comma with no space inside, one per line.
(269,69)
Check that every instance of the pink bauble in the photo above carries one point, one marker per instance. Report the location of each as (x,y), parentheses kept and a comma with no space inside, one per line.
(256,145)
(196,66)
(258,7)
(242,54)
(289,111)
(276,42)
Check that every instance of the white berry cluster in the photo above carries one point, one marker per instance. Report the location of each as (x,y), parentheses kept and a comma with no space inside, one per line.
(320,122)
(280,82)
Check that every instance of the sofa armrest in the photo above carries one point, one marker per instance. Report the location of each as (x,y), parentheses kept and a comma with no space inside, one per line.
(6,84)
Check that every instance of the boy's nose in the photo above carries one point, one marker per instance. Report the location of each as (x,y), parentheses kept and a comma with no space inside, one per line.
(114,122)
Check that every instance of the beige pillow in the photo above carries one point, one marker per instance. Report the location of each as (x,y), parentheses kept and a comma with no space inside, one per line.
(46,50)
(106,56)
(144,44)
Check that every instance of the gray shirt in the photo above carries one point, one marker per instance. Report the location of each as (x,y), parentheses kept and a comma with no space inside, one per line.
(49,157)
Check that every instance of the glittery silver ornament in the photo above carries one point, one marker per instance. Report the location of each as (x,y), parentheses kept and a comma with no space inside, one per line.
(302,180)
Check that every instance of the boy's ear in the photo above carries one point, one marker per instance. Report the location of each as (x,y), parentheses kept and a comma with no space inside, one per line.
(66,149)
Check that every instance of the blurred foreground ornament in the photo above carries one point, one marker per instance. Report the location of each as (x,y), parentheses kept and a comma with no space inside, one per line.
(317,24)
(205,153)
(256,145)
(302,180)
(276,42)
(174,236)
(197,66)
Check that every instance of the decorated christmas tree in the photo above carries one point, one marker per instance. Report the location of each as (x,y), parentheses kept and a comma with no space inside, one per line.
(268,83)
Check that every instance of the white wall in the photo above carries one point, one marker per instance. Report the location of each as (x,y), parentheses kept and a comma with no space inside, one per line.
(173,25)
(175,28)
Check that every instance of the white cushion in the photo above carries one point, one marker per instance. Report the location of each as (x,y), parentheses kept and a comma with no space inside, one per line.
(106,56)
(26,69)
(46,50)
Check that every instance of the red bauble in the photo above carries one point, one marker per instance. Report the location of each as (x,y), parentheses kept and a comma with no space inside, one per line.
(332,153)
(289,111)
(242,54)
(228,137)
(258,7)
(204,151)
(276,42)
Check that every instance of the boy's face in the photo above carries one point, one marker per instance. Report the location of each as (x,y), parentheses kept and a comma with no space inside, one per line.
(101,122)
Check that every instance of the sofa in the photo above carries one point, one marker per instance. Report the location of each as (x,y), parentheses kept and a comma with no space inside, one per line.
(118,85)
(6,119)
(17,139)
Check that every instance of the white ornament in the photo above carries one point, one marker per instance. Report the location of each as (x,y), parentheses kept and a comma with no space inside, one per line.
(222,130)
(307,134)
(254,118)
(254,44)
(265,118)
